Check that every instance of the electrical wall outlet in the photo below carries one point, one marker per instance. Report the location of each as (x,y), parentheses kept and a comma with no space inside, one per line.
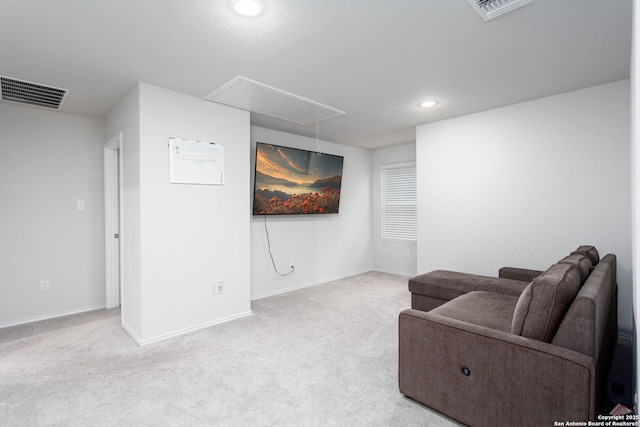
(44,285)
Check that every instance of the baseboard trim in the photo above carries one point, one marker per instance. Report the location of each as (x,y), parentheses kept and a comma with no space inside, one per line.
(304,285)
(185,331)
(131,333)
(52,316)
(397,273)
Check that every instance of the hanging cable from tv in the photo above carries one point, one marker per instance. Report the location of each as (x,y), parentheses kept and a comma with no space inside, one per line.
(271,255)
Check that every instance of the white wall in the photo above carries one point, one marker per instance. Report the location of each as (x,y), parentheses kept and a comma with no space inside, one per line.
(323,247)
(391,256)
(526,184)
(190,236)
(48,161)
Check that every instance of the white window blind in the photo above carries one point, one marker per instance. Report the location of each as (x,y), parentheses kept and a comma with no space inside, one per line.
(399,211)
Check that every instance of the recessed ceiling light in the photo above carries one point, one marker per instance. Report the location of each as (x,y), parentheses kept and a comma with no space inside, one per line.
(248,8)
(428,103)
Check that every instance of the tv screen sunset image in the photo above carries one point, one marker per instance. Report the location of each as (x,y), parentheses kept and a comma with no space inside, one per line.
(294,181)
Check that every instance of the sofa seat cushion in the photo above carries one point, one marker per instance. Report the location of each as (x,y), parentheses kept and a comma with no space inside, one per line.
(544,302)
(447,285)
(488,309)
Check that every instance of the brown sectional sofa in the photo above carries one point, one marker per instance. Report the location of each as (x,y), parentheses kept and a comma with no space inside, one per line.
(525,348)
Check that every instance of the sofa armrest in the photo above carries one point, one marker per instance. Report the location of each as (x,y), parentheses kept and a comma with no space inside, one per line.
(483,377)
(522,274)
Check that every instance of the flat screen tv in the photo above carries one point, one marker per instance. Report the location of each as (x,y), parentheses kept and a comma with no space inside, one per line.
(290,181)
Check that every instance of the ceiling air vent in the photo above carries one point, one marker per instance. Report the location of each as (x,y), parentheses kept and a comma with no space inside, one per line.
(32,93)
(490,9)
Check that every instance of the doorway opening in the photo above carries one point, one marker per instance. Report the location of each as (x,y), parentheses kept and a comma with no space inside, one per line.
(112,216)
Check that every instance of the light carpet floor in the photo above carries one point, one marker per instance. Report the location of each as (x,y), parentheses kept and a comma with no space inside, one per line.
(320,356)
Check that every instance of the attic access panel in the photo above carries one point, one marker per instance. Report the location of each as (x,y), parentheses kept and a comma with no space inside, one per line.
(256,97)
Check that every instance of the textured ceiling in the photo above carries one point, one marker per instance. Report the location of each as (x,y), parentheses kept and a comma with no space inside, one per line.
(373,59)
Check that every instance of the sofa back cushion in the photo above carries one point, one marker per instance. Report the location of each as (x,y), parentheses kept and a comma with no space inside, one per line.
(544,301)
(589,251)
(582,262)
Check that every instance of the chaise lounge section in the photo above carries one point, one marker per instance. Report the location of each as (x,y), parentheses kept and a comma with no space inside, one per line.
(526,348)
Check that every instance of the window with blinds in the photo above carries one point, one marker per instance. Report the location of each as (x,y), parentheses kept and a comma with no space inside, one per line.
(399,210)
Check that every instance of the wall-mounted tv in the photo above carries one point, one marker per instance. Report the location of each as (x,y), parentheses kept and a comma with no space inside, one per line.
(290,181)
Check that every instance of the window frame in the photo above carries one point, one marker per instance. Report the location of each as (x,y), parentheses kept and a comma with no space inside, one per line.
(402,222)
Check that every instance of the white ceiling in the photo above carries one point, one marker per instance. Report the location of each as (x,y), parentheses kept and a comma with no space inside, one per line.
(373,59)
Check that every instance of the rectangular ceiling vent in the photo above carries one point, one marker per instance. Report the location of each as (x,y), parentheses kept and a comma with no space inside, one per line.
(15,90)
(490,9)
(256,97)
